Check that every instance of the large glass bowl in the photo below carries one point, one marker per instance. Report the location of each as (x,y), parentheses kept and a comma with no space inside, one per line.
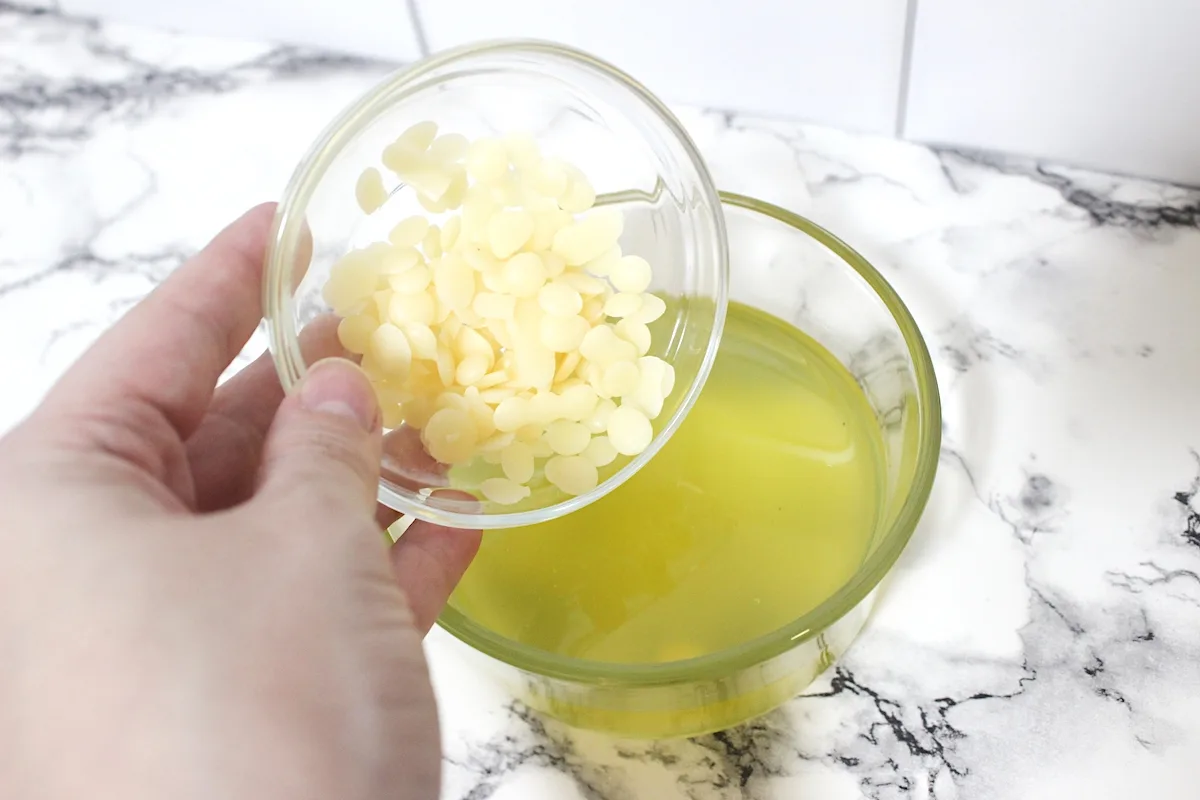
(799,272)
(577,108)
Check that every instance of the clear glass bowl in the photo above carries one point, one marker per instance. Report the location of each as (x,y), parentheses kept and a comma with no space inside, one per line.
(577,108)
(797,271)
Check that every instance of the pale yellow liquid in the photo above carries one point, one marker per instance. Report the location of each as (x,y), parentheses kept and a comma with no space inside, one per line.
(759,508)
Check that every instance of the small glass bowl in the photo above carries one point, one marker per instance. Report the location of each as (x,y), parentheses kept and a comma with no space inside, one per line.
(577,108)
(795,270)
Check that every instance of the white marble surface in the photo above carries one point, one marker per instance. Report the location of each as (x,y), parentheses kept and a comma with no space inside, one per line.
(1041,635)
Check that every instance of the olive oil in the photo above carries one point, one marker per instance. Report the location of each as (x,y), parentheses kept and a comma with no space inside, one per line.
(760,507)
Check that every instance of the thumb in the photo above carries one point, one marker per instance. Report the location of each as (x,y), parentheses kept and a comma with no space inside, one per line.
(324,446)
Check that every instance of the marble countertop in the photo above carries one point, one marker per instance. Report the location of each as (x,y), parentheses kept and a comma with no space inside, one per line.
(1040,637)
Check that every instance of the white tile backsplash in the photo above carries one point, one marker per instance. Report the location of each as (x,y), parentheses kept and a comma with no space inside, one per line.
(1110,83)
(837,63)
(1105,83)
(376,28)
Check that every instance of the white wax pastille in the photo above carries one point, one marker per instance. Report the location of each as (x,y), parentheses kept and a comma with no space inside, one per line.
(629,430)
(575,475)
(503,491)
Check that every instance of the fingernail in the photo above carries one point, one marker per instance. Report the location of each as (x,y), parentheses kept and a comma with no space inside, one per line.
(337,386)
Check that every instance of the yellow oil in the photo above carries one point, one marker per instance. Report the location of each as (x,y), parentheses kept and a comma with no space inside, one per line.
(758,509)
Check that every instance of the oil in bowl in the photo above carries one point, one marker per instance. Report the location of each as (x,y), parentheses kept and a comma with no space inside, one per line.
(757,510)
(744,558)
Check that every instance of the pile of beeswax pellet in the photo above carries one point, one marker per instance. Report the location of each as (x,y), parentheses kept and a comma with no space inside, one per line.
(516,331)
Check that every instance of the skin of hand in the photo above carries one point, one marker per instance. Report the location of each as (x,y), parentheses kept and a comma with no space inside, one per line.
(196,600)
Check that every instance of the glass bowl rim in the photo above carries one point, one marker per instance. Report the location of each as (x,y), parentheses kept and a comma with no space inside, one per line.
(734,659)
(278,302)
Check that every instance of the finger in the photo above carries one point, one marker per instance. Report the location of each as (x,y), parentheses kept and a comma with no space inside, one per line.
(226,449)
(429,561)
(406,463)
(323,448)
(163,359)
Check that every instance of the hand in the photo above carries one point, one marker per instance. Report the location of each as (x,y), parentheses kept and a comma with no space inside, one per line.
(196,600)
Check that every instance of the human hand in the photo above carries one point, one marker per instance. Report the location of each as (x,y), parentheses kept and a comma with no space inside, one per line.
(196,600)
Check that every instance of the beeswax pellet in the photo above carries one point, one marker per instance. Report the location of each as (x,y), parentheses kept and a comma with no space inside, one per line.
(431,245)
(517,462)
(419,135)
(567,438)
(369,190)
(524,274)
(567,365)
(635,333)
(396,260)
(491,305)
(597,421)
(652,308)
(450,233)
(409,232)
(578,402)
(508,231)
(470,370)
(418,307)
(558,298)
(622,305)
(600,451)
(562,334)
(550,178)
(620,379)
(486,160)
(455,282)
(574,475)
(578,197)
(411,281)
(503,491)
(450,436)
(512,413)
(588,238)
(449,147)
(422,340)
(629,430)
(631,274)
(522,150)
(603,346)
(354,332)
(390,348)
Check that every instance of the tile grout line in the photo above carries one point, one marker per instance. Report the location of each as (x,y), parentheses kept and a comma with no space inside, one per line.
(414,18)
(906,57)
